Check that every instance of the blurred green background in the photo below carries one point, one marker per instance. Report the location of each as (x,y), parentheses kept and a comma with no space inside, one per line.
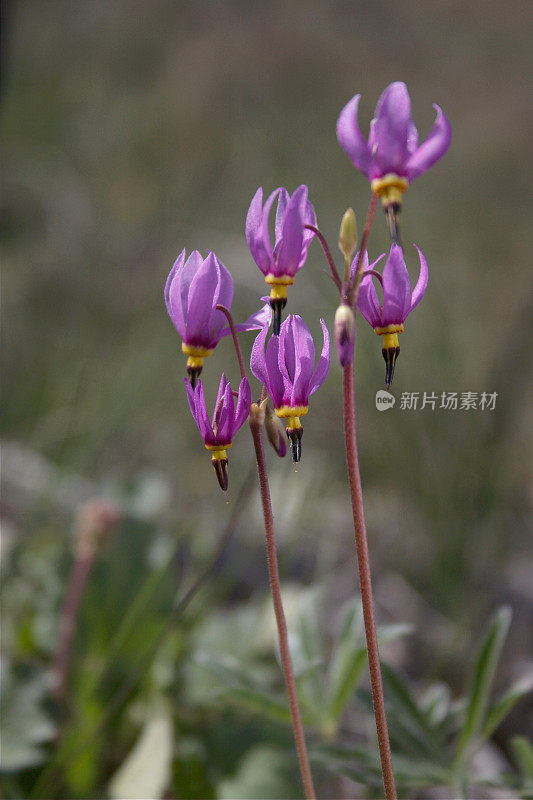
(133,129)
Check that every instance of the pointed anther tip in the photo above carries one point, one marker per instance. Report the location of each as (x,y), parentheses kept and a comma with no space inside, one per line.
(277,305)
(294,435)
(220,465)
(194,374)
(390,355)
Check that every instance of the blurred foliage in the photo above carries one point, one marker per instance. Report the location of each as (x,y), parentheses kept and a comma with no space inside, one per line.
(131,130)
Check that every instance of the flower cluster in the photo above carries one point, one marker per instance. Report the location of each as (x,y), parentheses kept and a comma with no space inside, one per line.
(199,291)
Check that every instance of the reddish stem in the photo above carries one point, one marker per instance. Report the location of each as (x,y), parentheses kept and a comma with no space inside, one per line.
(299,737)
(236,342)
(366,583)
(374,274)
(334,274)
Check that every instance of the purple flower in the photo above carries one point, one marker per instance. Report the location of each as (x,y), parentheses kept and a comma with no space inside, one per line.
(194,287)
(227,420)
(279,264)
(398,302)
(392,157)
(287,370)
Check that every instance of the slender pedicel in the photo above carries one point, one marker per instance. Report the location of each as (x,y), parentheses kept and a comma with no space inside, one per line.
(327,252)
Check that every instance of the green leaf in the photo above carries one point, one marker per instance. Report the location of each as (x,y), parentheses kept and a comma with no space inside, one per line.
(523,753)
(504,704)
(262,703)
(25,726)
(348,660)
(481,683)
(407,721)
(264,771)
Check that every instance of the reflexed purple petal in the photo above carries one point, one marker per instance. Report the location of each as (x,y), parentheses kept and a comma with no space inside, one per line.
(203,297)
(204,423)
(393,131)
(283,200)
(178,264)
(225,298)
(304,353)
(255,322)
(190,398)
(309,218)
(396,288)
(292,234)
(353,266)
(220,393)
(226,419)
(432,148)
(322,369)
(287,357)
(257,357)
(178,290)
(197,404)
(263,255)
(350,137)
(244,403)
(253,219)
(276,385)
(368,303)
(422,282)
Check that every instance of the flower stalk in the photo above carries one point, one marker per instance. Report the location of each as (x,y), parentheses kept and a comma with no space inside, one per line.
(363,562)
(256,427)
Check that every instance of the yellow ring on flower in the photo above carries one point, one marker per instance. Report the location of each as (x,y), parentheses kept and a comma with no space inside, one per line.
(195,352)
(389,329)
(390,188)
(278,285)
(291,411)
(218,453)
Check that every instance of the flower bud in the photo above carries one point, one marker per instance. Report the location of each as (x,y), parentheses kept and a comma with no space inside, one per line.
(344,330)
(275,433)
(348,234)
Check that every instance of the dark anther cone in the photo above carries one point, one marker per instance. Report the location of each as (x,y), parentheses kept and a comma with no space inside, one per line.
(390,354)
(277,305)
(294,436)
(393,220)
(194,374)
(220,465)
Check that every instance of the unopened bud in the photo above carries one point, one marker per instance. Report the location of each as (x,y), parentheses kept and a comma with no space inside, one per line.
(275,433)
(348,234)
(344,330)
